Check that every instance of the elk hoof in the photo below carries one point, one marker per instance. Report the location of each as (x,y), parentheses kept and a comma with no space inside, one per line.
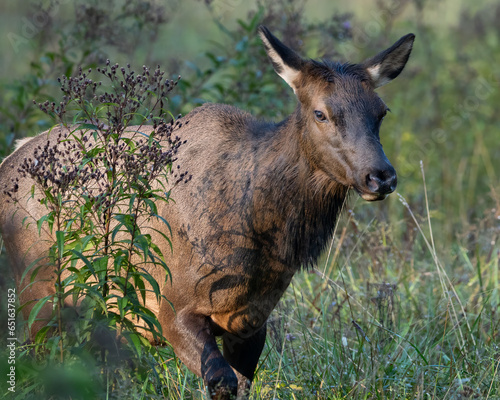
(223,388)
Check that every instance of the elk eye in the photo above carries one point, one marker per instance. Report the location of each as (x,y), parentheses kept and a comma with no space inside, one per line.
(319,116)
(382,116)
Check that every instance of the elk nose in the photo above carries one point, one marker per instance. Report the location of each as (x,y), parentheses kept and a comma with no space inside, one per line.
(382,182)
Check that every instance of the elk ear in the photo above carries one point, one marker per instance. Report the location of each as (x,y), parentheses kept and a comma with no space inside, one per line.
(388,64)
(286,62)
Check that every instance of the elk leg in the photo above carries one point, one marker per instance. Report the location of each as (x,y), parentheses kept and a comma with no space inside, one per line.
(243,356)
(194,343)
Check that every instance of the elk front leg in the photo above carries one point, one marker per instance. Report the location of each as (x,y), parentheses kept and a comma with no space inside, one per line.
(243,354)
(194,343)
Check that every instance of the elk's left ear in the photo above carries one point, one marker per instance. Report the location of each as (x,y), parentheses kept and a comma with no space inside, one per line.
(388,64)
(286,62)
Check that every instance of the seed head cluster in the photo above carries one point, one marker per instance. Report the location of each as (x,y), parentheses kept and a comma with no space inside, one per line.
(98,160)
(130,99)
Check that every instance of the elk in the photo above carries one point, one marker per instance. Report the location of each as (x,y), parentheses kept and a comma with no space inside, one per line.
(262,202)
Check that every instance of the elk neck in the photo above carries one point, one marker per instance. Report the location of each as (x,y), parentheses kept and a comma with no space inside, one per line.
(295,204)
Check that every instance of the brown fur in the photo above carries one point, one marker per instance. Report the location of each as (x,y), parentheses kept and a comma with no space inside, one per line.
(263,201)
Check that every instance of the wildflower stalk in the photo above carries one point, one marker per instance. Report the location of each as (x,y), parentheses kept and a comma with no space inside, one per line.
(86,173)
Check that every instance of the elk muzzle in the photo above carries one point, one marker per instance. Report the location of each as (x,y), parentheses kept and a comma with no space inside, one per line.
(379,183)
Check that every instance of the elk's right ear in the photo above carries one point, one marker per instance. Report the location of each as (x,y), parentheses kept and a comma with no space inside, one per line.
(286,62)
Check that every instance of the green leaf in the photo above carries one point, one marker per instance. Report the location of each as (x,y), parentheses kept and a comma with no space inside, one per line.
(85,127)
(157,250)
(60,235)
(101,266)
(165,237)
(49,218)
(122,303)
(35,270)
(154,284)
(120,260)
(142,243)
(139,284)
(40,222)
(85,260)
(132,201)
(91,154)
(136,341)
(125,220)
(36,309)
(95,295)
(52,343)
(42,334)
(151,205)
(152,322)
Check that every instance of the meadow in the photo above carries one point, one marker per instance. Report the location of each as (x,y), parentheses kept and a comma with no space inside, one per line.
(405,301)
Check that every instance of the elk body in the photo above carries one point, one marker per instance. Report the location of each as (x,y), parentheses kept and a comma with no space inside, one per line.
(262,202)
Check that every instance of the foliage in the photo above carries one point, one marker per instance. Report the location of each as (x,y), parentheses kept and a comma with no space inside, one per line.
(101,180)
(405,304)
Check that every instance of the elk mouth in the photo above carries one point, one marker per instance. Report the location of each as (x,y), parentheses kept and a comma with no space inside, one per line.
(368,195)
(372,196)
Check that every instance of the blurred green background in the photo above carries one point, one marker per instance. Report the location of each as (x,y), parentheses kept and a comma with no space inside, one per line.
(444,122)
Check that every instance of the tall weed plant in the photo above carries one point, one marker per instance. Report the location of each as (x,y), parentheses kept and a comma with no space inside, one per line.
(101,180)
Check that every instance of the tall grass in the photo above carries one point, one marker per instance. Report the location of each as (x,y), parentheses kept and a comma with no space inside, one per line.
(386,322)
